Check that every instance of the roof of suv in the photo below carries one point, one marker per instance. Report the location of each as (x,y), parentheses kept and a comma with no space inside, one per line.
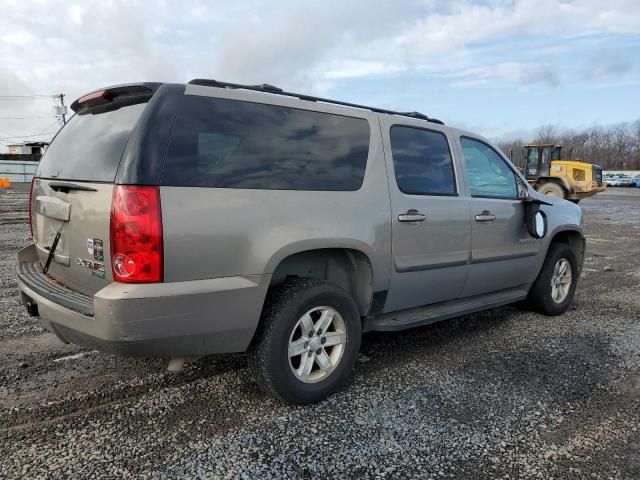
(145,140)
(266,88)
(107,94)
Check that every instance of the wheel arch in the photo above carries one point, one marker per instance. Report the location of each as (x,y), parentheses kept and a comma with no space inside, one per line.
(572,236)
(348,267)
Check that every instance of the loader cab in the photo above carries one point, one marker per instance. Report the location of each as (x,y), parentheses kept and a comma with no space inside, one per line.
(538,160)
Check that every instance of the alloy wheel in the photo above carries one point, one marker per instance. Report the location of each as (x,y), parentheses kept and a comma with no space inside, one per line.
(561,280)
(317,344)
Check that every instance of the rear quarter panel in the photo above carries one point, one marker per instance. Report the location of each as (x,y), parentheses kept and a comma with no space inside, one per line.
(218,232)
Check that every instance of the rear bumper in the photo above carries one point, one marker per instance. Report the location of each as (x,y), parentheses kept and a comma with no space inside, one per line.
(199,317)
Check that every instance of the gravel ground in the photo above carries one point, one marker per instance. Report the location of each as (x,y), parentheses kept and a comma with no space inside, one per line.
(502,394)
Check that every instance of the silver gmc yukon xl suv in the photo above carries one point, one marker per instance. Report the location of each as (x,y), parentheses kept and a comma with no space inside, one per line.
(185,220)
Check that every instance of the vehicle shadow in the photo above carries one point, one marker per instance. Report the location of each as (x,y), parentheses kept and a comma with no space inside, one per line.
(436,335)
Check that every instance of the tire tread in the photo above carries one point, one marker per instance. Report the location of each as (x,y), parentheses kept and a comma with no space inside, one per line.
(258,354)
(539,298)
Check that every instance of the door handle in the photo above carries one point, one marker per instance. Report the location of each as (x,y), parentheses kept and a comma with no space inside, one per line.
(411,216)
(485,216)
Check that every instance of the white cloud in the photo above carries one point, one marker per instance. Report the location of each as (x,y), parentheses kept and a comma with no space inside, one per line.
(17,38)
(514,72)
(285,41)
(76,12)
(301,45)
(359,68)
(305,46)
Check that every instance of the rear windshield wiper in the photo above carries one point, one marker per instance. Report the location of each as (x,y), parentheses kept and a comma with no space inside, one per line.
(66,187)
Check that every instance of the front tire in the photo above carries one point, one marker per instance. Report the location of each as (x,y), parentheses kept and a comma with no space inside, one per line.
(553,290)
(307,341)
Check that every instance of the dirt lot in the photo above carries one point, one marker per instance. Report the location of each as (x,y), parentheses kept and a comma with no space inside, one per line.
(502,394)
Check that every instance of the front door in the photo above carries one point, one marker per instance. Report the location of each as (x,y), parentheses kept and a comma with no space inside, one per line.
(502,251)
(430,220)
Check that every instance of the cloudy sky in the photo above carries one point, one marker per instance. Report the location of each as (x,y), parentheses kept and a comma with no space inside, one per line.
(499,67)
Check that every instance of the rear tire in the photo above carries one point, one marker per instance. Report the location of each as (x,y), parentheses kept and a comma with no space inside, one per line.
(552,189)
(550,294)
(328,354)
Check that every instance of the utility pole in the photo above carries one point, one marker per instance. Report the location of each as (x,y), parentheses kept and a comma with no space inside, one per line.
(64,115)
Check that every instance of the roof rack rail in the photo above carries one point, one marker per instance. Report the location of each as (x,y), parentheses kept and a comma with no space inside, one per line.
(278,91)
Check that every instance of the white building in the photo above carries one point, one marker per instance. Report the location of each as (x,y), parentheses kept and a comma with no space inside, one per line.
(28,148)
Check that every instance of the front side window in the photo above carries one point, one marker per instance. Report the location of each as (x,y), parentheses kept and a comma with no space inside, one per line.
(488,174)
(234,144)
(422,161)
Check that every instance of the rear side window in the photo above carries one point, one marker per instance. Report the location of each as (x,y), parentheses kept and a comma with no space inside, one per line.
(234,144)
(422,161)
(90,145)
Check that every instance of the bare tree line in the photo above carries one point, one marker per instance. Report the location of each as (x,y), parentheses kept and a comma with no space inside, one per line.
(614,147)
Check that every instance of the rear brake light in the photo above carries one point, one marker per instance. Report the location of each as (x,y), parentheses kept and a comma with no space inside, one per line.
(92,96)
(136,234)
(31,207)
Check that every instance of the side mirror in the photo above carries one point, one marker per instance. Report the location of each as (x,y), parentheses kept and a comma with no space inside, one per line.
(535,219)
(537,224)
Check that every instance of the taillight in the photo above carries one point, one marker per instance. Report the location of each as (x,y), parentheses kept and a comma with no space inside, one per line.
(31,206)
(136,234)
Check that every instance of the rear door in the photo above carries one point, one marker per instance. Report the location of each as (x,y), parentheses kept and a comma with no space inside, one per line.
(503,254)
(73,187)
(430,219)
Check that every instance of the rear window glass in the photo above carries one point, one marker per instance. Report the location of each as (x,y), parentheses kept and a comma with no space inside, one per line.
(90,145)
(234,144)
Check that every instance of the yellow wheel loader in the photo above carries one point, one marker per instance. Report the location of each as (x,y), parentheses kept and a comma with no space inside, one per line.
(569,179)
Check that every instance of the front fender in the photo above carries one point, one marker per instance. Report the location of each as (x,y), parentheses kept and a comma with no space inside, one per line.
(557,233)
(563,217)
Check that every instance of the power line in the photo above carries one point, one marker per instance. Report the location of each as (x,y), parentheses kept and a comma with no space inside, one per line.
(24,98)
(20,97)
(41,132)
(51,125)
(24,118)
(60,114)
(28,136)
